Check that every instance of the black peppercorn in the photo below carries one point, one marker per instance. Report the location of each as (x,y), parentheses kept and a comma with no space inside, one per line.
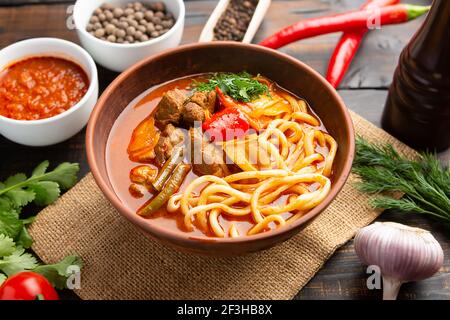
(234,22)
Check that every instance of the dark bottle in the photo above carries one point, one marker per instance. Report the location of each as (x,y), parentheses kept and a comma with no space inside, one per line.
(417,109)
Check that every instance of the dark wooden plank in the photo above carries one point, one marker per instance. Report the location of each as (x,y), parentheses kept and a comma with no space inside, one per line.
(49,2)
(11,3)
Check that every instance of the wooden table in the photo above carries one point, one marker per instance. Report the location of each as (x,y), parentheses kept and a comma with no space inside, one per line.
(364,90)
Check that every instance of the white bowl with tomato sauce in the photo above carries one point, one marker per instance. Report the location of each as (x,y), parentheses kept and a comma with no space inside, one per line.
(50,71)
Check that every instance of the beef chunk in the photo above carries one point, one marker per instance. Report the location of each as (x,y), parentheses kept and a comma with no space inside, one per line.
(206,158)
(162,150)
(193,112)
(175,134)
(170,137)
(206,100)
(170,108)
(199,104)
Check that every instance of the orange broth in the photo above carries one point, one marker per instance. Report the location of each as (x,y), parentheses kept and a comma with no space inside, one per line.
(119,165)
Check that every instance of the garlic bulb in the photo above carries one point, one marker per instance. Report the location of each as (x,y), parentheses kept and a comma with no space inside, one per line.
(402,253)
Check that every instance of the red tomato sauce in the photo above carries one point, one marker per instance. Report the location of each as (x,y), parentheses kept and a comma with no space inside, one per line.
(41,87)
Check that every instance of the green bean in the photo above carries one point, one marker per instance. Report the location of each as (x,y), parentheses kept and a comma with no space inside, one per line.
(168,168)
(172,185)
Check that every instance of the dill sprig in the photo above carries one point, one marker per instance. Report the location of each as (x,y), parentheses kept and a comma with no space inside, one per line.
(241,87)
(424,182)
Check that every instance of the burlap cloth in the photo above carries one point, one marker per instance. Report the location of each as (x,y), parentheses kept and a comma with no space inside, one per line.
(121,263)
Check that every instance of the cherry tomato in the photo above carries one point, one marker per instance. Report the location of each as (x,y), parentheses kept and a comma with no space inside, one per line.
(27,286)
(225,125)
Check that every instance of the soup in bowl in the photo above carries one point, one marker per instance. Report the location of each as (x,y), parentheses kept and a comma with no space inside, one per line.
(219,155)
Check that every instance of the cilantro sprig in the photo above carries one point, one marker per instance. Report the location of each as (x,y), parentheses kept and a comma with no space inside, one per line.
(241,87)
(14,259)
(41,188)
(425,182)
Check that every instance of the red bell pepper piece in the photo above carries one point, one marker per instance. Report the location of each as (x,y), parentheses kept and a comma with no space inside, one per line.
(225,125)
(227,101)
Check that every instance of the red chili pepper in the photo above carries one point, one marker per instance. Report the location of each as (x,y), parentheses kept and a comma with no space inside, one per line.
(225,125)
(349,21)
(348,46)
(27,286)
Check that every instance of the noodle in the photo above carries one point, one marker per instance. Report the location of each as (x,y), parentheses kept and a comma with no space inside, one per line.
(331,154)
(305,117)
(215,225)
(264,224)
(286,169)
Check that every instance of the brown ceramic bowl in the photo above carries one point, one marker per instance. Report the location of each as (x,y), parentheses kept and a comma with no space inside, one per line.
(216,57)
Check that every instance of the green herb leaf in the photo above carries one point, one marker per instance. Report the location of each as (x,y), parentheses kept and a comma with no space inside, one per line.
(18,261)
(17,191)
(46,192)
(65,175)
(42,187)
(24,238)
(7,245)
(15,179)
(425,182)
(58,273)
(439,178)
(241,87)
(10,224)
(40,169)
(20,197)
(5,204)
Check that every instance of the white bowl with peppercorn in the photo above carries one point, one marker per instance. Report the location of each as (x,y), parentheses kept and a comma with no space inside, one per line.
(119,33)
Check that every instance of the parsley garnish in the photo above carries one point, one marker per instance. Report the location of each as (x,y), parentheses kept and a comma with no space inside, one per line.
(241,87)
(425,182)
